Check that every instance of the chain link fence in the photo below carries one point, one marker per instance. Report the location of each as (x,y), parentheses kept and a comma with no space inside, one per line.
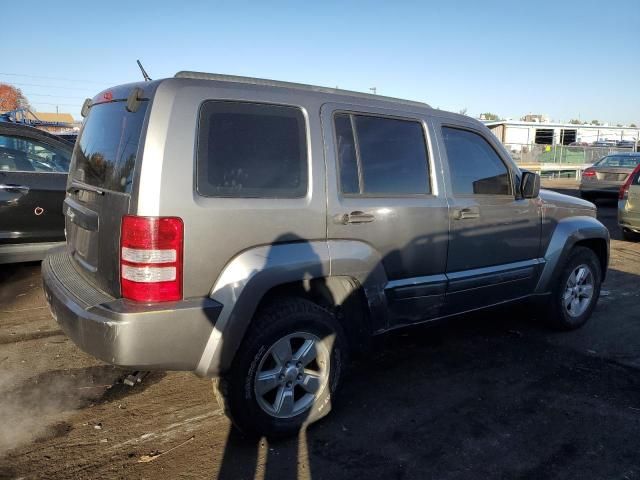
(555,161)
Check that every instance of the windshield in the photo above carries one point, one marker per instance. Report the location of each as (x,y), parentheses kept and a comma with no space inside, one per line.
(105,153)
(622,161)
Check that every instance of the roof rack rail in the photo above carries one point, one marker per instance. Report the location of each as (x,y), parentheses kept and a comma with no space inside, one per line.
(300,86)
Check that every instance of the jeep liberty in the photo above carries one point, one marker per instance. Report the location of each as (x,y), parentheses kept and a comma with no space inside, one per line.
(261,232)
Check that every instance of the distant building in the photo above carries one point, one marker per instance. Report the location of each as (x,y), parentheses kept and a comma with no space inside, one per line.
(49,122)
(516,134)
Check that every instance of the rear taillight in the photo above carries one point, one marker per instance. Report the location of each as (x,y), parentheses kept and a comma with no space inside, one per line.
(151,258)
(624,189)
(589,172)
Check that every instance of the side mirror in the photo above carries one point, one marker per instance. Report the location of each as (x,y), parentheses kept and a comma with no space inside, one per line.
(530,184)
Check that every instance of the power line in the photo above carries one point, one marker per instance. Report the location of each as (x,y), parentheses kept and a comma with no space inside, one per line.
(49,95)
(20,84)
(59,104)
(53,78)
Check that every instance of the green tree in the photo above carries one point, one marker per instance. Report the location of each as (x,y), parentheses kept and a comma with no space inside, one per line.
(595,122)
(633,125)
(575,121)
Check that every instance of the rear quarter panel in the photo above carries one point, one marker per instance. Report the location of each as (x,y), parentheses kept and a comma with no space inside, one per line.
(218,229)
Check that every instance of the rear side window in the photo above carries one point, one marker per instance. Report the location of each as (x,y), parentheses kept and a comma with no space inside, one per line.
(106,151)
(475,167)
(20,154)
(381,156)
(251,150)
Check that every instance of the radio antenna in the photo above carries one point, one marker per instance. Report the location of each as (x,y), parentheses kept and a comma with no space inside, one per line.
(147,78)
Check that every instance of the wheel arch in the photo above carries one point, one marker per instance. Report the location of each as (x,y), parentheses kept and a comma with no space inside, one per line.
(303,269)
(569,233)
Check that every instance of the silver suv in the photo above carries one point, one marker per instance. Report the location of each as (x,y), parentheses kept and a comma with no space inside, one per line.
(261,232)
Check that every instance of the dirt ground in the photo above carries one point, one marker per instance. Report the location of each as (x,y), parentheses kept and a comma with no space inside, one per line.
(495,395)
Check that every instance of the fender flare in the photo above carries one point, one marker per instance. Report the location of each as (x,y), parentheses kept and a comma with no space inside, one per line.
(250,275)
(567,233)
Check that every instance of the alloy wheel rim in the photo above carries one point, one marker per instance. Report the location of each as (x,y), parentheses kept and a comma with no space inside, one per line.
(291,375)
(578,291)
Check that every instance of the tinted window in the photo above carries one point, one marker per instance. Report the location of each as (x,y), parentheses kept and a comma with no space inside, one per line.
(474,165)
(251,150)
(105,153)
(20,154)
(622,161)
(391,154)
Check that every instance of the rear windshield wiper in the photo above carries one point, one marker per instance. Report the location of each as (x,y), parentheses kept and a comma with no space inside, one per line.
(77,186)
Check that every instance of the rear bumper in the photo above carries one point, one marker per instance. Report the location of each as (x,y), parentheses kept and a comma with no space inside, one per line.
(26,252)
(601,187)
(628,219)
(166,336)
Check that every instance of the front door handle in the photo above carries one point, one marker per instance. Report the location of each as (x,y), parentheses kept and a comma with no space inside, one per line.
(10,187)
(466,213)
(355,217)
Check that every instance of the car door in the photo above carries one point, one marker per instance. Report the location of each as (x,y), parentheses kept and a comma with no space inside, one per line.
(382,191)
(495,233)
(33,174)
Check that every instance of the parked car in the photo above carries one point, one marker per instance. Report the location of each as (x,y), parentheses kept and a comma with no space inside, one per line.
(262,232)
(629,206)
(604,143)
(605,177)
(33,177)
(626,144)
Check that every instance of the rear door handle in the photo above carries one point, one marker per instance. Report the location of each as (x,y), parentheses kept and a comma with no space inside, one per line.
(466,213)
(10,187)
(355,217)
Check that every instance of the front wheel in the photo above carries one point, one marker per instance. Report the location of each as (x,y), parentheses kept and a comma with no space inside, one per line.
(286,370)
(576,291)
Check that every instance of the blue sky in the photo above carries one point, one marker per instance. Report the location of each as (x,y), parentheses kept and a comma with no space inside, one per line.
(562,58)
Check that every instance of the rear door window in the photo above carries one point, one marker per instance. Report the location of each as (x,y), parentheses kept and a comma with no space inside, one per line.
(251,150)
(21,154)
(381,156)
(474,166)
(106,151)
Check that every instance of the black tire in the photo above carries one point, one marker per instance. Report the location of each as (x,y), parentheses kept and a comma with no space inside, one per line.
(590,197)
(235,391)
(630,236)
(556,314)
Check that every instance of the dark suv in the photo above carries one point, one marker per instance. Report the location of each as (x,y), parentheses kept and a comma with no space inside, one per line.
(33,177)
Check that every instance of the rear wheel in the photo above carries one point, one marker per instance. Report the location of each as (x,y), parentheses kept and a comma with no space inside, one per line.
(286,371)
(576,292)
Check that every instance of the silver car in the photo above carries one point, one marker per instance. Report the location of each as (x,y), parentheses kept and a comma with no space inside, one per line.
(260,232)
(605,177)
(629,207)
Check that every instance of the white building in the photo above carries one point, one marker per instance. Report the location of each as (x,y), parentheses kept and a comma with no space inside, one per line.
(516,134)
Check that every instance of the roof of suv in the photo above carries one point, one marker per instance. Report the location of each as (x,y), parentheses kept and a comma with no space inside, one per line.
(297,86)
